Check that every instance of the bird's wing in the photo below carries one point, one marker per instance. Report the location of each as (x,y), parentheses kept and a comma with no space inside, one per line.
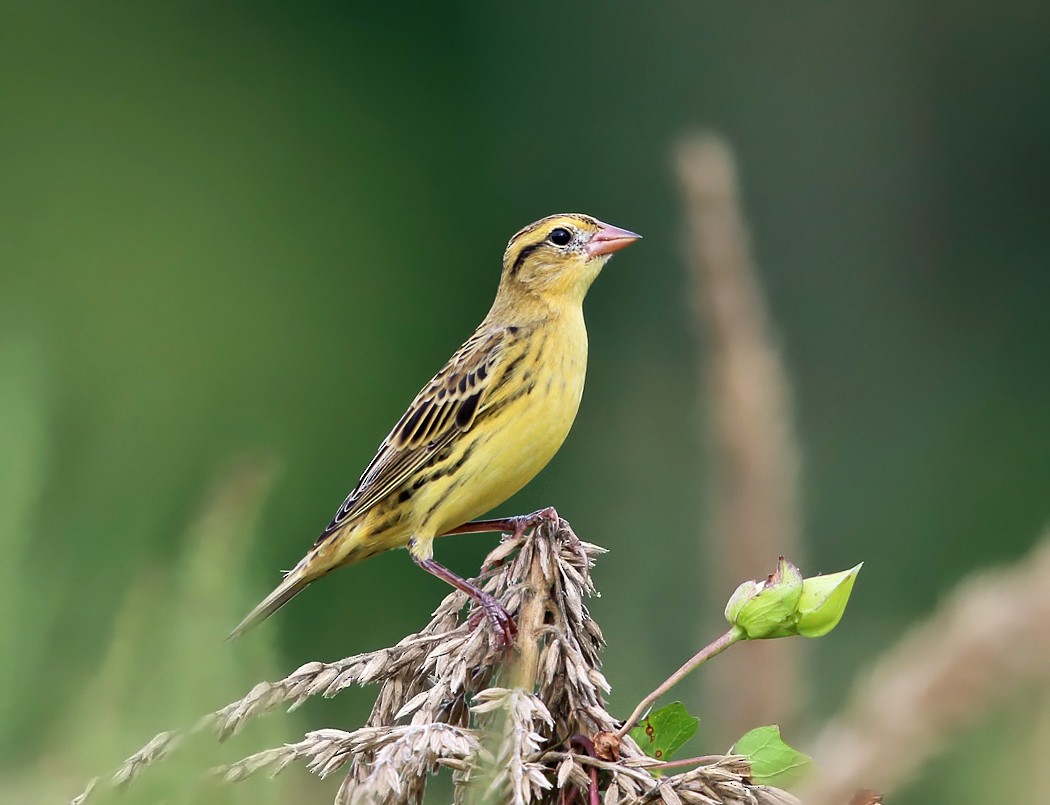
(445,407)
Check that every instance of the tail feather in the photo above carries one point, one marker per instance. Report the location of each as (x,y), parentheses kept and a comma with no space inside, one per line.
(293,584)
(333,550)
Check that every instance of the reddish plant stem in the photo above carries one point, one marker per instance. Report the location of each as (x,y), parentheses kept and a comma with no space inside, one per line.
(587,745)
(702,656)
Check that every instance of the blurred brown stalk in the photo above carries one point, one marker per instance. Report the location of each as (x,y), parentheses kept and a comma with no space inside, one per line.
(755,460)
(990,637)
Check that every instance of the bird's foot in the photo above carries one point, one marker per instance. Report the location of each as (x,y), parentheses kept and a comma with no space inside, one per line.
(503,626)
(523,522)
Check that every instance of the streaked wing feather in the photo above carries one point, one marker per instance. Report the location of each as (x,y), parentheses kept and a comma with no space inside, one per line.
(446,406)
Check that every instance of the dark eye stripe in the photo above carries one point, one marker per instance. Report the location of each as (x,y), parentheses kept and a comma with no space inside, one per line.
(524,253)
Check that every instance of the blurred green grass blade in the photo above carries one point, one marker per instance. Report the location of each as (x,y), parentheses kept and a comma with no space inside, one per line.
(191,664)
(166,663)
(23,445)
(209,592)
(28,595)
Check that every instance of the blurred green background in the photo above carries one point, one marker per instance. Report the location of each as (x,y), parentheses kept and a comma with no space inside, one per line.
(255,229)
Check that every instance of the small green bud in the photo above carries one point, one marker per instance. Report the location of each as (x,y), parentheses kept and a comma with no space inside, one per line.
(765,609)
(744,593)
(785,604)
(823,601)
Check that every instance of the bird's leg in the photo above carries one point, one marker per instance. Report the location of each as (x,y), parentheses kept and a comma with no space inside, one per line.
(502,623)
(507,525)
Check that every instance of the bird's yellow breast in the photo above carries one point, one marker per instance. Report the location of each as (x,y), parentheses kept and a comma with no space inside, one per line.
(519,429)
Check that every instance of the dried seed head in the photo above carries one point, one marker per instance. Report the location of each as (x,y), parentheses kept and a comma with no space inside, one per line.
(504,728)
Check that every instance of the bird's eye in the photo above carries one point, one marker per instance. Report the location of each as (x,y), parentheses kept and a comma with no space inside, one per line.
(560,236)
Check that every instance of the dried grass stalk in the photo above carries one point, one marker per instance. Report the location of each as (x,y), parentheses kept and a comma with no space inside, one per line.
(447,698)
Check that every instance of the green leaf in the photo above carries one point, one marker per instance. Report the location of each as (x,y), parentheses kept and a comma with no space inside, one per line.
(772,761)
(663,731)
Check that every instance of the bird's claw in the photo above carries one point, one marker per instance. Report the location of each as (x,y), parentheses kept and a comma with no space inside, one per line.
(503,625)
(523,522)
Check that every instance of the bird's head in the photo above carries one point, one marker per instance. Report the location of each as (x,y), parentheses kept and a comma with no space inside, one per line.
(558,257)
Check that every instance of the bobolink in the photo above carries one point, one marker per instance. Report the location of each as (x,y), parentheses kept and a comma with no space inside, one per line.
(484,425)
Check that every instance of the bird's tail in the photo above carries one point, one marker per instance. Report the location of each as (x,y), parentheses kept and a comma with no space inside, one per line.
(293,583)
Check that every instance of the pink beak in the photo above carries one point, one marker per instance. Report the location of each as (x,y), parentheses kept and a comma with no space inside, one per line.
(610,239)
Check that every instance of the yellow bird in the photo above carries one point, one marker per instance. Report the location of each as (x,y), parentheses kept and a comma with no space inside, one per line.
(484,426)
